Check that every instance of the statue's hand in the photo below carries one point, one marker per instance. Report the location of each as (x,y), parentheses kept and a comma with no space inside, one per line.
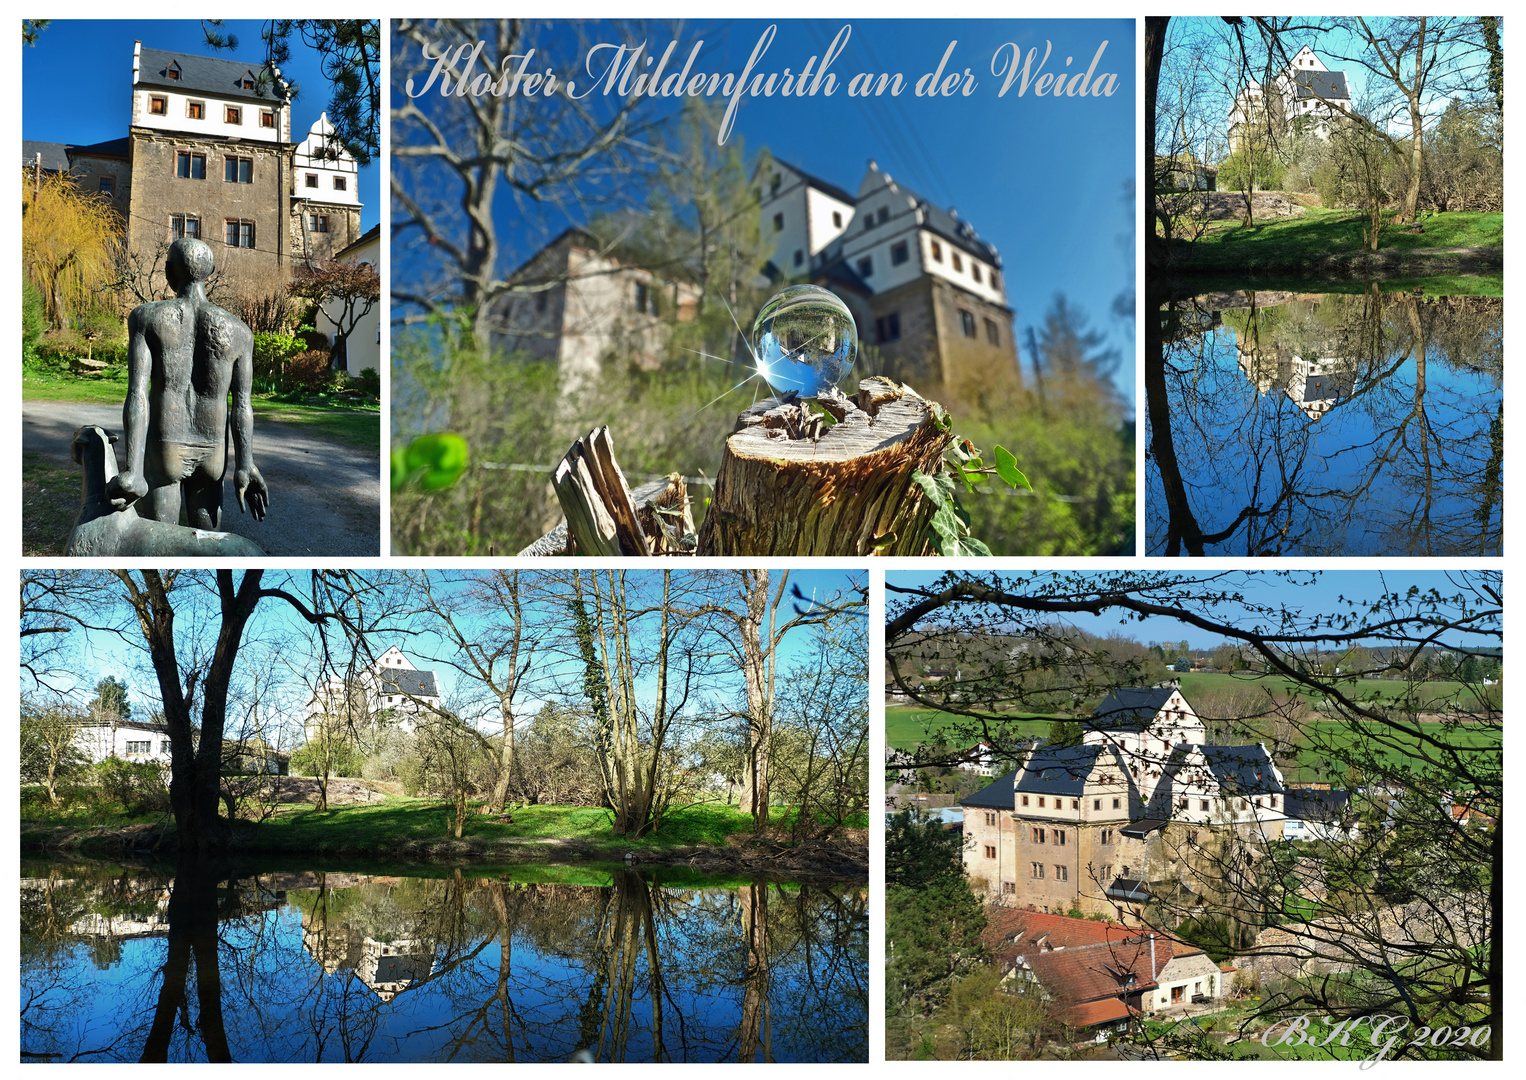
(250,486)
(125,488)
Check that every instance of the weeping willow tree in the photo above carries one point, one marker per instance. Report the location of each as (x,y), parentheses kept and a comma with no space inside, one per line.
(69,242)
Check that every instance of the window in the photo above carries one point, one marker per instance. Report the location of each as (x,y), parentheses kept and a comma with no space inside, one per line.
(958,262)
(172,72)
(1239,804)
(1061,873)
(267,118)
(1038,835)
(888,327)
(248,81)
(1009,887)
(1274,802)
(993,334)
(646,299)
(1059,837)
(1117,803)
(1177,993)
(899,253)
(341,184)
(1107,871)
(995,280)
(1096,804)
(884,214)
(158,106)
(1036,870)
(1197,988)
(139,747)
(1202,804)
(799,256)
(773,185)
(1025,800)
(195,110)
(990,819)
(238,170)
(164,747)
(233,114)
(312,180)
(1181,804)
(975,271)
(238,233)
(937,251)
(990,851)
(183,225)
(540,301)
(966,323)
(1075,804)
(778,223)
(865,266)
(191,166)
(836,219)
(1125,870)
(318,222)
(108,185)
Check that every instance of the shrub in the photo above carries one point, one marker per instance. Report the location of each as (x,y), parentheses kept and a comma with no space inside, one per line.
(34,314)
(368,382)
(309,371)
(60,345)
(138,786)
(271,354)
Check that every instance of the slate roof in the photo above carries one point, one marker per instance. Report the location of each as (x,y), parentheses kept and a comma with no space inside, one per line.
(1058,771)
(821,185)
(1332,384)
(1143,828)
(411,683)
(1127,889)
(112,148)
(204,74)
(1242,770)
(1130,708)
(1330,85)
(997,795)
(55,156)
(1309,804)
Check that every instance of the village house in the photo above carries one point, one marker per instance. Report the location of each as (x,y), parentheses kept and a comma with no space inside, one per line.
(1314,814)
(147,742)
(1078,828)
(1305,95)
(1098,977)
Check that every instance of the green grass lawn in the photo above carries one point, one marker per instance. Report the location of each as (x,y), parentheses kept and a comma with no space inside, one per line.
(1318,233)
(1441,693)
(905,726)
(50,498)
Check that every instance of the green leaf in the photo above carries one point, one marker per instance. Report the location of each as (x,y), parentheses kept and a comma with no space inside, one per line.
(928,485)
(399,468)
(1006,468)
(442,459)
(976,547)
(945,528)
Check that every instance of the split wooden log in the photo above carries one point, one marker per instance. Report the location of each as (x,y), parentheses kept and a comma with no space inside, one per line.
(591,488)
(792,484)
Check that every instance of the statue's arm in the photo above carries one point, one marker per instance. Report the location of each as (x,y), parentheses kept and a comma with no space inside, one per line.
(129,484)
(248,484)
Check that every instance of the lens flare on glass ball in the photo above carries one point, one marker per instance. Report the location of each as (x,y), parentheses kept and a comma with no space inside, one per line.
(804,340)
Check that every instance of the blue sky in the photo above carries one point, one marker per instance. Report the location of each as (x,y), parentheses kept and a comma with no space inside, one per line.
(104,654)
(1042,179)
(1308,592)
(92,61)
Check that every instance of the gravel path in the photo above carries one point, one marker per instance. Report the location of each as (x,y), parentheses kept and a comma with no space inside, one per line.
(325,496)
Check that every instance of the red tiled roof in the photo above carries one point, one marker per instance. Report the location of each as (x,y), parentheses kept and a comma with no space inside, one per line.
(1093,1013)
(1080,960)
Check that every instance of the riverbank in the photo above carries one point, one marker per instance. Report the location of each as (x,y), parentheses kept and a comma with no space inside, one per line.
(1332,243)
(711,838)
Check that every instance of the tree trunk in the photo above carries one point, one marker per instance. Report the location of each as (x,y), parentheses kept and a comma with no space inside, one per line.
(791,485)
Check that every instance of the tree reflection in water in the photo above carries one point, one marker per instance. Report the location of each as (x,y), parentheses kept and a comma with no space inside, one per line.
(1288,423)
(213,966)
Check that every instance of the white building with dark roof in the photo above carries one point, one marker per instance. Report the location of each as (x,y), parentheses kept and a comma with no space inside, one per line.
(1305,96)
(392,690)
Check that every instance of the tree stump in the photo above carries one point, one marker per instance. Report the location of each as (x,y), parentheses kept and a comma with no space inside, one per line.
(790,483)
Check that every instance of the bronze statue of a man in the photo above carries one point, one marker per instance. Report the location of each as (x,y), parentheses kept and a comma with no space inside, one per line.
(184,356)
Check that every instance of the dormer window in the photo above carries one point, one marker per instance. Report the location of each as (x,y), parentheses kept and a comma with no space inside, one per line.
(173,71)
(836,219)
(247,82)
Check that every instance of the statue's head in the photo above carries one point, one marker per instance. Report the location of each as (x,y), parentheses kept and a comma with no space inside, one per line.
(189,260)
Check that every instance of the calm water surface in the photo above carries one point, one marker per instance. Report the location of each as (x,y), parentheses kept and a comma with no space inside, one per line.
(141,964)
(1294,423)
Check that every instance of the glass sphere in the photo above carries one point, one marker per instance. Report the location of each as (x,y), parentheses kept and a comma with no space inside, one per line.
(804,340)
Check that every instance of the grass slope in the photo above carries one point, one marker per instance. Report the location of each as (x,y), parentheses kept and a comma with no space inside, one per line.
(1330,240)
